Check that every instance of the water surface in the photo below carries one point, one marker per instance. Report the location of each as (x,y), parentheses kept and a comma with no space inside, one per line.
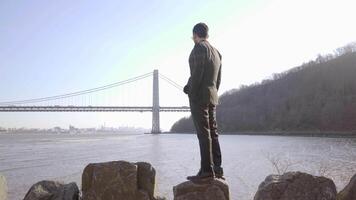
(247,160)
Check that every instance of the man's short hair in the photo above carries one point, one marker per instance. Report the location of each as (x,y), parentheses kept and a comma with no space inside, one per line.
(201,29)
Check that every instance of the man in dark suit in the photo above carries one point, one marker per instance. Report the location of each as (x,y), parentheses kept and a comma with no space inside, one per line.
(202,88)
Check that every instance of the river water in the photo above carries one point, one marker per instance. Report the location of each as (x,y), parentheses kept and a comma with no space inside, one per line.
(247,160)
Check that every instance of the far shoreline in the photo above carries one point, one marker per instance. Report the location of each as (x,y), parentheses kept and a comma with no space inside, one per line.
(283,133)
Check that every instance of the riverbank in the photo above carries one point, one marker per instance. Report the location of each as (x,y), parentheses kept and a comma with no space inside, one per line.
(283,133)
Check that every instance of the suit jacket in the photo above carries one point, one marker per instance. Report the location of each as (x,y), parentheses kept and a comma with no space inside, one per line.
(205,74)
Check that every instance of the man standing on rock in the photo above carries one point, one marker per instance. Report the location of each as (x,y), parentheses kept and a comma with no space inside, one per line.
(202,88)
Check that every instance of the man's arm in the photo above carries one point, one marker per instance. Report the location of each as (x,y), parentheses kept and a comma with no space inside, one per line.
(187,87)
(198,62)
(219,74)
(219,79)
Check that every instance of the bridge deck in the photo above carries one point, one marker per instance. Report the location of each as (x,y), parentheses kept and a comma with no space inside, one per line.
(90,109)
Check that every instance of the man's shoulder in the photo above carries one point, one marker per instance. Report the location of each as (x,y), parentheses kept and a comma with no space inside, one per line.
(206,46)
(219,53)
(215,49)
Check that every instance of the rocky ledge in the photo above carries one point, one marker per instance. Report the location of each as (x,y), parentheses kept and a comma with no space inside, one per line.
(48,190)
(118,180)
(211,189)
(115,180)
(296,186)
(303,186)
(349,192)
(121,180)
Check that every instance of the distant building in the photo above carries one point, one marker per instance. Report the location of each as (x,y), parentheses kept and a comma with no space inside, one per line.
(58,129)
(72,129)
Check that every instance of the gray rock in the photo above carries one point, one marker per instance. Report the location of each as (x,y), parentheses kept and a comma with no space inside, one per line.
(52,190)
(296,186)
(349,192)
(146,178)
(213,189)
(3,188)
(118,180)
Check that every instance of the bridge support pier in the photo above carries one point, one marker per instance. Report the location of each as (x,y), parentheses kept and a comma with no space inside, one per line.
(155,104)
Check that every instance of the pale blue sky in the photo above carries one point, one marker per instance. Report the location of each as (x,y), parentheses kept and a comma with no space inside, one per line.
(74,45)
(53,47)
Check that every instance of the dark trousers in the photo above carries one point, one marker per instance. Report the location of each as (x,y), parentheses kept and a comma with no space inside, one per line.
(204,118)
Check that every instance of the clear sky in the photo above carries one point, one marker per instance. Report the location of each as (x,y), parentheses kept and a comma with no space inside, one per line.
(54,47)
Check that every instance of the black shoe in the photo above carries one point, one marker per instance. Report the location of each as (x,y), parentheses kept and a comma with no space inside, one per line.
(220,176)
(219,173)
(201,176)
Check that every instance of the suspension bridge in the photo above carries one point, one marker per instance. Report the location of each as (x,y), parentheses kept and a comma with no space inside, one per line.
(31,105)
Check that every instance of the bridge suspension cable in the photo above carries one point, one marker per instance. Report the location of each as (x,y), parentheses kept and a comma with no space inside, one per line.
(62,96)
(92,90)
(170,81)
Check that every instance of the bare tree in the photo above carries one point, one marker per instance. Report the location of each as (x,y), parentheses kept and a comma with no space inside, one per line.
(281,164)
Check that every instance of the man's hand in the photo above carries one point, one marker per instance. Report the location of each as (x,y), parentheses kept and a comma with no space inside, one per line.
(186,89)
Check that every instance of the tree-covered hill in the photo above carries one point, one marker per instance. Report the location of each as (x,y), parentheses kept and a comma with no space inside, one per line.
(317,96)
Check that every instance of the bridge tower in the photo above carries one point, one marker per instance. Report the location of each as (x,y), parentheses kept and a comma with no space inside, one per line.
(155,104)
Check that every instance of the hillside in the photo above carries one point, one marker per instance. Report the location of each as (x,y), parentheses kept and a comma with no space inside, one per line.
(317,96)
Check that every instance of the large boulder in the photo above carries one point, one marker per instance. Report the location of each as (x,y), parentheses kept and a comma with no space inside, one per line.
(296,186)
(349,192)
(118,180)
(209,189)
(53,190)
(3,188)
